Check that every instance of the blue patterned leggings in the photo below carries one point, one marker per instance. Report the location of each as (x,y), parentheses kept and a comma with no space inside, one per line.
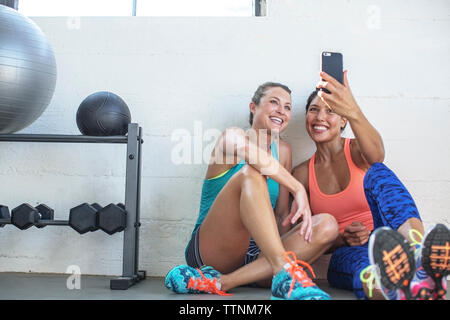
(391,205)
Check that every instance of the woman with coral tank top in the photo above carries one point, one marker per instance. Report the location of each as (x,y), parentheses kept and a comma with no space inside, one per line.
(346,178)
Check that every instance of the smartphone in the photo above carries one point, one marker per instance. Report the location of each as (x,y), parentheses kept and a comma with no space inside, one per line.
(331,63)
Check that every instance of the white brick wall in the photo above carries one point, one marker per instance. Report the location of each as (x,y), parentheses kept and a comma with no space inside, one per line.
(175,71)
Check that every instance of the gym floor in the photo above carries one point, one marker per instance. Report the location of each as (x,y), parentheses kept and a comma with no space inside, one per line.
(29,286)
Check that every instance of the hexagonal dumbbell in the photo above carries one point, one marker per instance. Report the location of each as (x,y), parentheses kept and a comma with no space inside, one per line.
(112,218)
(24,216)
(4,215)
(83,218)
(46,213)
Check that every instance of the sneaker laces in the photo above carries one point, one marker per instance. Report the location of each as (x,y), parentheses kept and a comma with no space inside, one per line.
(372,271)
(297,272)
(414,243)
(206,285)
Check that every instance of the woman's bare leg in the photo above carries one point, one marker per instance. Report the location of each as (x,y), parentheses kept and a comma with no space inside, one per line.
(325,231)
(242,208)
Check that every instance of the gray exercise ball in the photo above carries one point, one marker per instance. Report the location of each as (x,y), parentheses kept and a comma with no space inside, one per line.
(27,71)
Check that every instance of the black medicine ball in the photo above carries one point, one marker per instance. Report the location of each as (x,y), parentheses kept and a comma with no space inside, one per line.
(103,114)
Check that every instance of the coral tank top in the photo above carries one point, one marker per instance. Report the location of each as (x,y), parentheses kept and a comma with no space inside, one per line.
(346,206)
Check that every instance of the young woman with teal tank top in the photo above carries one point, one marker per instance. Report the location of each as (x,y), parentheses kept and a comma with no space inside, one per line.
(211,187)
(246,231)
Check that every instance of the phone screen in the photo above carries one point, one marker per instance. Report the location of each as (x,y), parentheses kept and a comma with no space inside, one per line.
(331,63)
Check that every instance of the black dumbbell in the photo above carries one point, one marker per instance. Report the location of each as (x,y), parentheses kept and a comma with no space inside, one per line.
(112,218)
(46,213)
(83,218)
(24,216)
(4,215)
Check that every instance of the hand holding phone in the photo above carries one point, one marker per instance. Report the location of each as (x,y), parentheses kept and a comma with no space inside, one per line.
(334,88)
(331,63)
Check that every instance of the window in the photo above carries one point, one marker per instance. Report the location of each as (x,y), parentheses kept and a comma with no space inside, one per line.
(212,8)
(194,8)
(76,7)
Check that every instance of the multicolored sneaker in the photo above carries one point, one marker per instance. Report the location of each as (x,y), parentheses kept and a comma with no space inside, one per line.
(422,285)
(393,261)
(185,279)
(435,257)
(293,283)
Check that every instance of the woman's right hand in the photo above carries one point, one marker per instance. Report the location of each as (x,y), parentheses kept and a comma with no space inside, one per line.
(300,209)
(356,234)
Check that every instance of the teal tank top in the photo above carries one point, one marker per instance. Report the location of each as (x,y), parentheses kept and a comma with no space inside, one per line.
(211,188)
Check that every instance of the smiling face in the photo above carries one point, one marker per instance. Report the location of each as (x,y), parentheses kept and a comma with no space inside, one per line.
(322,124)
(273,111)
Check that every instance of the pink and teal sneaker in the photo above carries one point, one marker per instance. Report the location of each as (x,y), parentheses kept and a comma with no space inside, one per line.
(432,263)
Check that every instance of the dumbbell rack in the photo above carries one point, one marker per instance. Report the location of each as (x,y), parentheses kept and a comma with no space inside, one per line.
(130,273)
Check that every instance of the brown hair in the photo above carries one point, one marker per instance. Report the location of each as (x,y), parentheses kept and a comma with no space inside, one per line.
(261,91)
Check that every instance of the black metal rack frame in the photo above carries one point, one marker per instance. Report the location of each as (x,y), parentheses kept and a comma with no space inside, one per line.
(134,141)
